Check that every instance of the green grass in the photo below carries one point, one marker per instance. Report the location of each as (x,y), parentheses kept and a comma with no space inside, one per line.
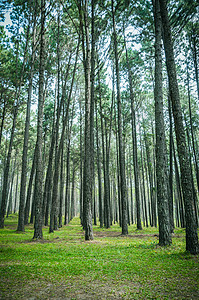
(64,266)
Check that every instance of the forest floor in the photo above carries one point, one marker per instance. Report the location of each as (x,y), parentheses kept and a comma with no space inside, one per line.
(64,266)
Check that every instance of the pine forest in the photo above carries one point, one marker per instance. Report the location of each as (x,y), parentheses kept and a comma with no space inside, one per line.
(99,141)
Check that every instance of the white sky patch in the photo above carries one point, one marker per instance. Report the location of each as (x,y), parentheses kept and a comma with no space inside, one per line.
(6,22)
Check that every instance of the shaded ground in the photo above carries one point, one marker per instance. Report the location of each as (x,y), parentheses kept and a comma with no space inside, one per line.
(96,290)
(64,266)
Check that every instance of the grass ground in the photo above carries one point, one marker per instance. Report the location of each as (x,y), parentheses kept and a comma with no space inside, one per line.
(64,266)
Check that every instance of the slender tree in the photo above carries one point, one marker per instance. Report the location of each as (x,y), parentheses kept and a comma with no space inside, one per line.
(161,151)
(87,186)
(121,144)
(39,163)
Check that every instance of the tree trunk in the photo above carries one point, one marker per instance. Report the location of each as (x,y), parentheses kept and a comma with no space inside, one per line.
(72,213)
(39,163)
(29,192)
(121,145)
(81,166)
(87,182)
(99,170)
(161,151)
(16,190)
(10,204)
(2,117)
(171,165)
(191,230)
(61,188)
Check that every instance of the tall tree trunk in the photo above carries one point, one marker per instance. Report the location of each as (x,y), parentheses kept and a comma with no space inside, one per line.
(39,163)
(92,103)
(161,151)
(81,166)
(191,229)
(171,165)
(121,144)
(87,191)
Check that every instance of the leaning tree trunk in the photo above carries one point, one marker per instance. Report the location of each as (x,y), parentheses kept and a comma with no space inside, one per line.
(191,229)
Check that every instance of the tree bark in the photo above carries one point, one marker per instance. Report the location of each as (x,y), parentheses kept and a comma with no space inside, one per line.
(161,151)
(87,182)
(39,163)
(191,230)
(121,144)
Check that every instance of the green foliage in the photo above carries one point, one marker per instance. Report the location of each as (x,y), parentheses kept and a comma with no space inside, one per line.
(63,264)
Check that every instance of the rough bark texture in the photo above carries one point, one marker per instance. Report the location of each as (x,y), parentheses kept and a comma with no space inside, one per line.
(87,193)
(161,151)
(191,230)
(121,145)
(39,163)
(171,165)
